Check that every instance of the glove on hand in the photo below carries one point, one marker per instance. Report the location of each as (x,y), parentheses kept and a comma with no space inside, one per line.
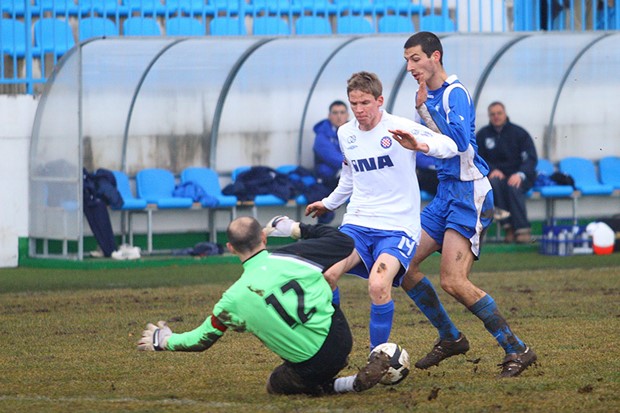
(154,338)
(282,226)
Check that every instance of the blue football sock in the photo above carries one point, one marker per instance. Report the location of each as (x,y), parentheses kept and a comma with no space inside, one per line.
(486,310)
(336,296)
(425,297)
(381,316)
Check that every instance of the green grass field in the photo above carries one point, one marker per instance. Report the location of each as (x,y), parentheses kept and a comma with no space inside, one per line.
(68,342)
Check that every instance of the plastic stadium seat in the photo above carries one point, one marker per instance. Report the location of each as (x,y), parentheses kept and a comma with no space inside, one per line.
(130,202)
(57,7)
(53,36)
(227,26)
(102,7)
(270,25)
(144,7)
(397,6)
(156,185)
(353,25)
(305,180)
(584,173)
(141,26)
(13,8)
(353,6)
(551,191)
(12,37)
(309,25)
(279,7)
(191,7)
(259,200)
(97,27)
(609,169)
(321,7)
(396,24)
(185,26)
(209,180)
(436,23)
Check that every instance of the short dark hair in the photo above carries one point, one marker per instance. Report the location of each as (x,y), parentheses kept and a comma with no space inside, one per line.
(429,42)
(366,82)
(337,103)
(496,103)
(244,234)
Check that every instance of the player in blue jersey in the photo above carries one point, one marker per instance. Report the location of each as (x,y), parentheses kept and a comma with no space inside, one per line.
(455,221)
(378,179)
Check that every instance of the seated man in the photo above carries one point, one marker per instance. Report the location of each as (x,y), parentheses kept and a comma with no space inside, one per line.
(511,155)
(327,154)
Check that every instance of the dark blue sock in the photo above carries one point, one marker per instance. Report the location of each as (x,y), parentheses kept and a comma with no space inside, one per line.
(486,310)
(425,297)
(380,326)
(336,296)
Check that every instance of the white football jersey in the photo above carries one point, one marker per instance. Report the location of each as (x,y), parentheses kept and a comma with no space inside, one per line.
(378,174)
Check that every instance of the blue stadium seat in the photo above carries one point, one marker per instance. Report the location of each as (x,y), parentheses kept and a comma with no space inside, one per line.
(315,7)
(185,26)
(156,186)
(144,7)
(209,180)
(12,37)
(130,202)
(97,27)
(609,169)
(353,6)
(397,6)
(52,36)
(229,7)
(312,25)
(270,25)
(584,173)
(227,26)
(259,200)
(546,167)
(141,26)
(396,24)
(102,8)
(436,23)
(56,7)
(191,7)
(269,7)
(353,25)
(13,8)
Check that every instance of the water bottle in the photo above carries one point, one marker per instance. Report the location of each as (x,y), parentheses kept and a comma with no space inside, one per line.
(550,238)
(562,242)
(570,242)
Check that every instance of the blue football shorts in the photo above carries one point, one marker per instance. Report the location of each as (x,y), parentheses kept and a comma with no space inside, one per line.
(370,243)
(464,206)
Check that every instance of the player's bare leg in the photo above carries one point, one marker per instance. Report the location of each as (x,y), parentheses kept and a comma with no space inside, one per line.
(380,281)
(451,341)
(456,262)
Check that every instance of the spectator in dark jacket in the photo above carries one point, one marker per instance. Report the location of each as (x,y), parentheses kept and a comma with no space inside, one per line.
(327,154)
(511,155)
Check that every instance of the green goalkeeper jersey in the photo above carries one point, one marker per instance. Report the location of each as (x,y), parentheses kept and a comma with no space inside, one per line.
(282,299)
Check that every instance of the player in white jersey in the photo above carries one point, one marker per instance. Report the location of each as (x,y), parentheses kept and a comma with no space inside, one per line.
(378,176)
(455,221)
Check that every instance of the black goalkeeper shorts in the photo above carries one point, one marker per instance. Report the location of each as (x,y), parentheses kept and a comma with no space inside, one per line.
(315,375)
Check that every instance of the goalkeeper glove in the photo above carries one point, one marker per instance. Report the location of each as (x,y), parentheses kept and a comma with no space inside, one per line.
(282,226)
(154,338)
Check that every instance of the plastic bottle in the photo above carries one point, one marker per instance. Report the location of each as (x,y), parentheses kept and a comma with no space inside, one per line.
(550,239)
(570,242)
(562,242)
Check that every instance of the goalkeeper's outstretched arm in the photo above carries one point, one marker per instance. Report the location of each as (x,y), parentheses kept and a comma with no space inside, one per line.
(199,339)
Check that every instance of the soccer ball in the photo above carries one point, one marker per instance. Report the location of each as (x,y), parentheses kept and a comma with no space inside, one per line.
(399,362)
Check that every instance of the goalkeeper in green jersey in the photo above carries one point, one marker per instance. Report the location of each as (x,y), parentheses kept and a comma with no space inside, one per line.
(284,300)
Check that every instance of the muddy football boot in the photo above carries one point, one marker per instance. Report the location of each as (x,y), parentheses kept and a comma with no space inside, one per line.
(442,350)
(369,375)
(515,363)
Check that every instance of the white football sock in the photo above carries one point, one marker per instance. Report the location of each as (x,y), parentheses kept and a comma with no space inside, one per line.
(344,384)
